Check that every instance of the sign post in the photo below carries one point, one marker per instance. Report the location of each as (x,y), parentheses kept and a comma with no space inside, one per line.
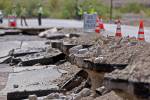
(89,22)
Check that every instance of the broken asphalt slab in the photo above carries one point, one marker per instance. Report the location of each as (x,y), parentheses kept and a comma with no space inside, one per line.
(5,69)
(136,77)
(19,48)
(66,46)
(26,51)
(75,81)
(34,44)
(43,58)
(32,80)
(4,72)
(11,32)
(102,67)
(7,46)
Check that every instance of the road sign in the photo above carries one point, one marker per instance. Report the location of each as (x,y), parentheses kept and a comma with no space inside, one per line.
(89,22)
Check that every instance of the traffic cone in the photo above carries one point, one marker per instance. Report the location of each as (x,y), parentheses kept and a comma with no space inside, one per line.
(118,30)
(141,31)
(102,25)
(97,30)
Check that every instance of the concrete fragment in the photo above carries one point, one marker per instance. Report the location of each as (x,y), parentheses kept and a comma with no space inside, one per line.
(75,81)
(53,96)
(32,97)
(71,35)
(79,60)
(42,34)
(50,31)
(7,46)
(56,44)
(66,47)
(77,97)
(5,60)
(38,81)
(2,32)
(29,68)
(15,86)
(99,60)
(85,92)
(43,58)
(82,51)
(102,90)
(25,51)
(75,49)
(69,97)
(101,66)
(99,51)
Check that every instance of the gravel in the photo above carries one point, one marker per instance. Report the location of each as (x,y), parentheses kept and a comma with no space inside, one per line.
(71,71)
(138,69)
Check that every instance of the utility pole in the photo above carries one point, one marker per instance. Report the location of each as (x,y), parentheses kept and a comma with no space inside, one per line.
(111,10)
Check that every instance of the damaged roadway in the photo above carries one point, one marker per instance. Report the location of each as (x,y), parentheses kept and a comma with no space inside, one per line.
(24,46)
(91,67)
(108,54)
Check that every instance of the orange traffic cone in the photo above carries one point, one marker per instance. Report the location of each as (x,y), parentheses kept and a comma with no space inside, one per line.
(102,25)
(118,31)
(141,32)
(97,30)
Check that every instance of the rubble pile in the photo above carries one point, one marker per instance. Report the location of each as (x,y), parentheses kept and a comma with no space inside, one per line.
(89,40)
(136,71)
(71,71)
(79,66)
(136,76)
(50,56)
(110,51)
(55,33)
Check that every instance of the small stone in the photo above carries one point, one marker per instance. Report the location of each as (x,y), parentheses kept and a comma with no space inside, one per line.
(85,92)
(53,96)
(32,97)
(75,49)
(102,90)
(62,97)
(99,51)
(42,34)
(83,51)
(53,30)
(15,86)
(69,97)
(77,97)
(50,31)
(98,60)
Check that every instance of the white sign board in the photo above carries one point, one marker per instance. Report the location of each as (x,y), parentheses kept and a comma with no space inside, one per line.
(89,22)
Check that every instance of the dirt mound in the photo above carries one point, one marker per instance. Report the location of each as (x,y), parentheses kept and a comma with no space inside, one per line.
(84,39)
(138,69)
(71,71)
(111,50)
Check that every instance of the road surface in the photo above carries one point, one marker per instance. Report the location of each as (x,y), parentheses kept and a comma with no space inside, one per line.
(131,31)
